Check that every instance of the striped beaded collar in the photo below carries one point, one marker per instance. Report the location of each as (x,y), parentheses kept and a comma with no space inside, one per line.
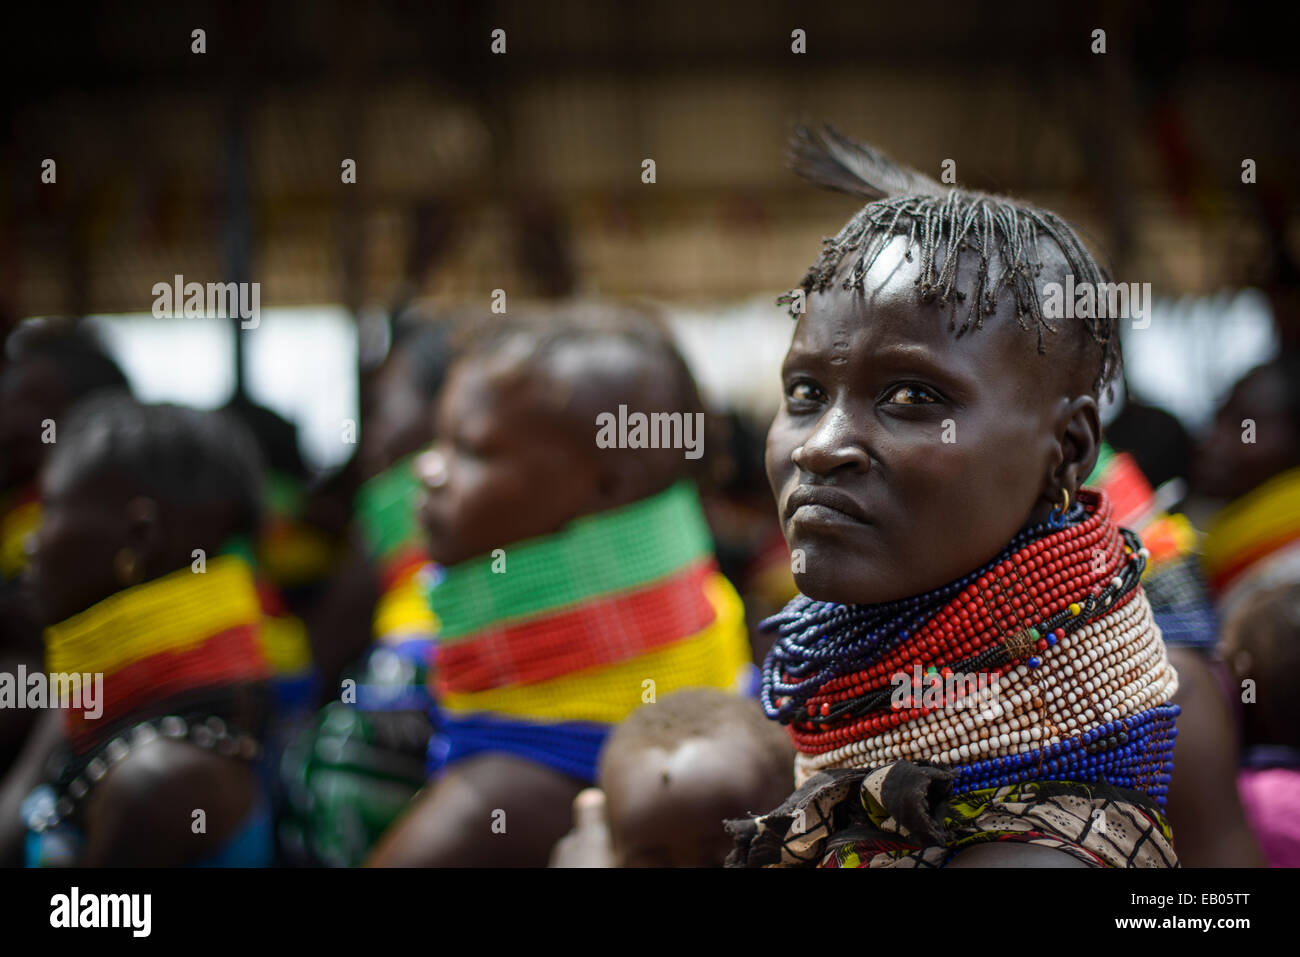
(546,644)
(1054,633)
(171,637)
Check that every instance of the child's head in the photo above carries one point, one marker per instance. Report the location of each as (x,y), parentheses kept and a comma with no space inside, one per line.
(516,454)
(931,407)
(130,491)
(1261,643)
(676,769)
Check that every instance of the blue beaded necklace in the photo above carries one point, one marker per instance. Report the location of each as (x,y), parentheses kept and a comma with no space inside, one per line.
(818,641)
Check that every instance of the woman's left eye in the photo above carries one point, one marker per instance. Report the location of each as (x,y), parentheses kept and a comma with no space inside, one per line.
(912,395)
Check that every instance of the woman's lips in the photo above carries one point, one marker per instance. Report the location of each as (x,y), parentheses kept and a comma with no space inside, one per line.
(823,505)
(821,515)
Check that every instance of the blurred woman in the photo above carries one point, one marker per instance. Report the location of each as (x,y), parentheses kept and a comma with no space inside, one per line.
(139,573)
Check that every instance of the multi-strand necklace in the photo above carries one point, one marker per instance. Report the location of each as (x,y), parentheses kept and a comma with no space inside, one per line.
(1044,664)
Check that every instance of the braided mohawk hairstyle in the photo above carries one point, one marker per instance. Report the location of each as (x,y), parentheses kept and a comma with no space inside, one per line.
(942,223)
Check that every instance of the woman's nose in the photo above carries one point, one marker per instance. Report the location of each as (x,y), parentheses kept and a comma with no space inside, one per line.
(831,446)
(431,467)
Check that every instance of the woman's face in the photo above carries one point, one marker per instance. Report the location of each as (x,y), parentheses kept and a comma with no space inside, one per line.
(904,455)
(1227,466)
(84,523)
(503,469)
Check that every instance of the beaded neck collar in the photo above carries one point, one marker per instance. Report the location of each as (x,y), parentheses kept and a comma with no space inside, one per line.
(805,622)
(386,506)
(593,556)
(161,639)
(1075,678)
(1256,530)
(546,645)
(386,510)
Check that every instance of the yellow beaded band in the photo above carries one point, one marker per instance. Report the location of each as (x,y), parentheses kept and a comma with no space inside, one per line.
(713,657)
(174,613)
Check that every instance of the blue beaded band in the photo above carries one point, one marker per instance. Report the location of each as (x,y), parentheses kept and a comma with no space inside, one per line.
(1136,752)
(571,748)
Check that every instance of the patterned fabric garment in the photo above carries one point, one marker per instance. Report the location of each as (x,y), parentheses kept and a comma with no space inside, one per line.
(905,815)
(348,775)
(346,779)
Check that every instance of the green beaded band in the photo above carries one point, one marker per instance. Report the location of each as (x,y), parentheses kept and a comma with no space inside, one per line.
(386,507)
(241,546)
(596,555)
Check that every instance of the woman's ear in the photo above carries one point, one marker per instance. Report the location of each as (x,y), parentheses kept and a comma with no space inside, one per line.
(1080,437)
(618,478)
(144,533)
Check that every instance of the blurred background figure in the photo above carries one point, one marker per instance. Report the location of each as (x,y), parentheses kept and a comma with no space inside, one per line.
(1261,643)
(579,577)
(48,366)
(350,774)
(141,574)
(1250,462)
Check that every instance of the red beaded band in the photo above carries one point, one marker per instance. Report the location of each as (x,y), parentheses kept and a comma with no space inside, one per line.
(230,657)
(1040,580)
(612,629)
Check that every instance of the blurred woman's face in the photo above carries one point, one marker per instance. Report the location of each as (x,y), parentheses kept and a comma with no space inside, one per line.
(1252,439)
(83,527)
(504,469)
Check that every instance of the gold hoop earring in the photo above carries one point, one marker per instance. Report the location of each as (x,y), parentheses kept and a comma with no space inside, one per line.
(126,567)
(1056,517)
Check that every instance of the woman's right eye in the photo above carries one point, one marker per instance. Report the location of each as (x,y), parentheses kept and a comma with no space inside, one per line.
(802,390)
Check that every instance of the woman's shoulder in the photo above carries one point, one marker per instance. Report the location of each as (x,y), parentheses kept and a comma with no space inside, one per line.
(168,802)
